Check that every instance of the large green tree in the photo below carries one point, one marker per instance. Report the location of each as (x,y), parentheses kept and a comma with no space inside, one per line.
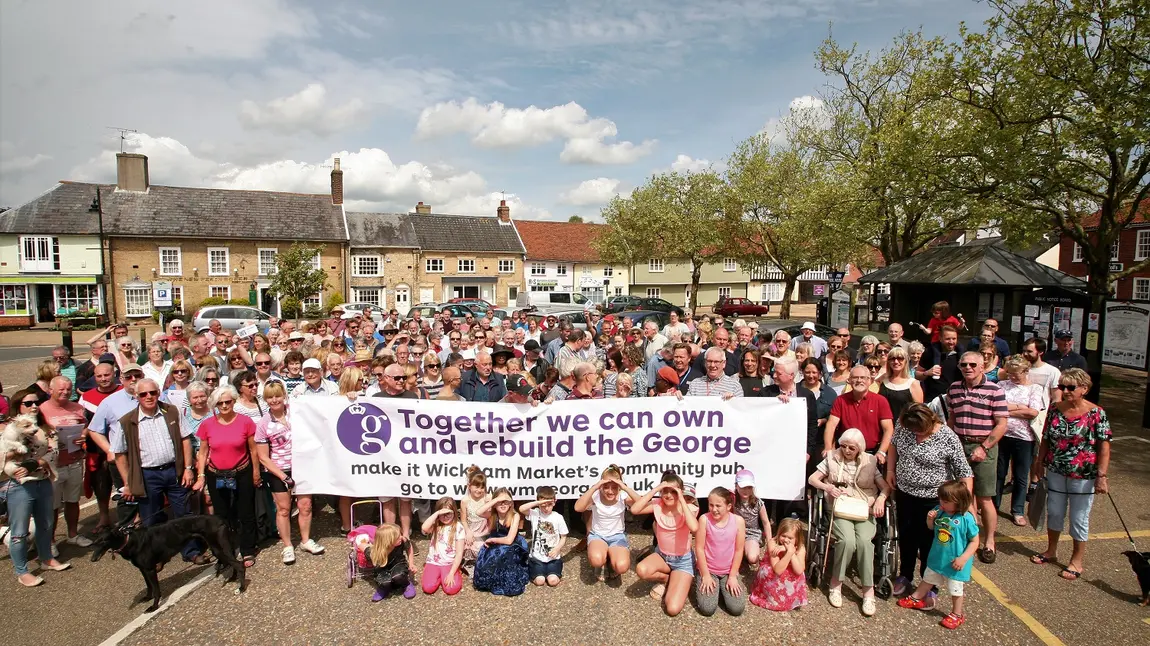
(1055,95)
(780,201)
(673,216)
(884,128)
(297,278)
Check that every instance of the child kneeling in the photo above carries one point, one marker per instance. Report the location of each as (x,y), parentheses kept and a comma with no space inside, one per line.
(949,562)
(390,557)
(548,532)
(445,553)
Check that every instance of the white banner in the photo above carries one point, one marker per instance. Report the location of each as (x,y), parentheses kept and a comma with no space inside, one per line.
(422,448)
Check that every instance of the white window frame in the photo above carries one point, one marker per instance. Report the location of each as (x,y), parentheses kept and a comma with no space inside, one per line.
(179,261)
(11,297)
(561,269)
(61,296)
(587,271)
(724,292)
(358,293)
(1142,245)
(137,302)
(460,266)
(429,269)
(48,264)
(654,292)
(316,262)
(1141,285)
(1114,248)
(730,264)
(313,302)
(618,291)
(212,288)
(608,271)
(178,295)
(538,269)
(1076,255)
(227,261)
(655,266)
(506,266)
(260,260)
(357,269)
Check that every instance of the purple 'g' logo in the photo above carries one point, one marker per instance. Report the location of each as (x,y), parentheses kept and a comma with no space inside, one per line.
(363,429)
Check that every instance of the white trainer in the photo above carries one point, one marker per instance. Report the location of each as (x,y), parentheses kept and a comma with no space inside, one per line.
(80,540)
(311,547)
(289,555)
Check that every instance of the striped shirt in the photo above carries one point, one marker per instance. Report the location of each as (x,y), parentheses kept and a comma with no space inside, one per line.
(707,387)
(976,410)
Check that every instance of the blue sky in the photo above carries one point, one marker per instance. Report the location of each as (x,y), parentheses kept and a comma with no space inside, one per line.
(559,104)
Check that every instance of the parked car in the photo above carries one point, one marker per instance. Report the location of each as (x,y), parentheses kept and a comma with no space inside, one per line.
(432,310)
(620,303)
(794,328)
(653,304)
(548,301)
(477,305)
(576,317)
(638,317)
(232,317)
(738,306)
(376,313)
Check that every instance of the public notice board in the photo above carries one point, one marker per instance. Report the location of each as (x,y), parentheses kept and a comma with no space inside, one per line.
(1127,327)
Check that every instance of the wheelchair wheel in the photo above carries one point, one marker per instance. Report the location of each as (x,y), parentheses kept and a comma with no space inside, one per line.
(884,589)
(351,570)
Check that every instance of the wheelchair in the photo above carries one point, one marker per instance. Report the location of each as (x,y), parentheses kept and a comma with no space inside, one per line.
(820,542)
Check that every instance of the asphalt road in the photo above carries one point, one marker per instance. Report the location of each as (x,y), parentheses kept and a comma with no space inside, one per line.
(1010,602)
(23,353)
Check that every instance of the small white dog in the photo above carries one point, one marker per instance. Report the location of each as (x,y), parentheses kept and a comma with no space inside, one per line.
(17,436)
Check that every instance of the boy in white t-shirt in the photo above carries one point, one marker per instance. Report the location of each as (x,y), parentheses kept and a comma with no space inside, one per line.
(548,532)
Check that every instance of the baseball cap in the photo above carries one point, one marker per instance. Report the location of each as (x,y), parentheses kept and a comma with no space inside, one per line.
(312,363)
(668,373)
(531,346)
(809,326)
(132,368)
(518,384)
(468,354)
(610,318)
(1063,334)
(108,357)
(744,478)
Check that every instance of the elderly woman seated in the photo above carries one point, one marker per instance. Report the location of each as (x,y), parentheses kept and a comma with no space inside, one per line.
(857,493)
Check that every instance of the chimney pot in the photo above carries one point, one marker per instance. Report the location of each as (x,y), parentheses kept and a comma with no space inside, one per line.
(132,172)
(423,209)
(336,183)
(504,212)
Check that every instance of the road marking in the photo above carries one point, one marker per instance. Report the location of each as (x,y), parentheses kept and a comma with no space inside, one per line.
(135,624)
(1040,631)
(1041,538)
(1130,437)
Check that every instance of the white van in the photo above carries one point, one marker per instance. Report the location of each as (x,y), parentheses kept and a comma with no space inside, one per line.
(544,301)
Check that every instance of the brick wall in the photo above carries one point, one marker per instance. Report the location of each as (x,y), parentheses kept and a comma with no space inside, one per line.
(1127,249)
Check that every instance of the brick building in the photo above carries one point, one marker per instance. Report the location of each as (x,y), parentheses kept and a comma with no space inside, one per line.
(561,257)
(1132,247)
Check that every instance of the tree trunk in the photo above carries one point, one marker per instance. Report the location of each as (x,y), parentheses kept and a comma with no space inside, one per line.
(1099,285)
(696,276)
(789,281)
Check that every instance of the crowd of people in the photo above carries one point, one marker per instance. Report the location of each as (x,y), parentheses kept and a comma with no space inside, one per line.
(200,420)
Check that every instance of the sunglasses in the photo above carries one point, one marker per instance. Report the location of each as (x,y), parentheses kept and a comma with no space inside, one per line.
(263,363)
(882,351)
(431,365)
(397,377)
(212,380)
(229,402)
(147,393)
(131,377)
(247,385)
(1067,388)
(968,364)
(181,371)
(31,402)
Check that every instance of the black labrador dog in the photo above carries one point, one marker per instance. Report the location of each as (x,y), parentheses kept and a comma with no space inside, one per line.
(149,548)
(1140,563)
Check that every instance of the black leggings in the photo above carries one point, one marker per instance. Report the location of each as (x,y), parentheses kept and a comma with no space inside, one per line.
(237,507)
(914,537)
(387,582)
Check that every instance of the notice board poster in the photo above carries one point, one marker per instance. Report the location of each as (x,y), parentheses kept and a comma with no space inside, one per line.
(1124,339)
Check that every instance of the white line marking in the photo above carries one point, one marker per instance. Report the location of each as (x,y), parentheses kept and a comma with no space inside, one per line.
(88,504)
(1130,437)
(135,624)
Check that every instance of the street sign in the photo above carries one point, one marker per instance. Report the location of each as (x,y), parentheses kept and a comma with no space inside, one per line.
(162,293)
(1116,267)
(835,278)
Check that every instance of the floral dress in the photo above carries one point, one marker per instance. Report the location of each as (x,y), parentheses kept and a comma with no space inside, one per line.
(1072,442)
(779,592)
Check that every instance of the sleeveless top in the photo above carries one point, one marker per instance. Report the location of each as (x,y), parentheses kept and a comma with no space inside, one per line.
(477,523)
(671,532)
(898,395)
(719,547)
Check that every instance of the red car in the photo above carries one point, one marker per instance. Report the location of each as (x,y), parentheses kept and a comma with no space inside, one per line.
(739,307)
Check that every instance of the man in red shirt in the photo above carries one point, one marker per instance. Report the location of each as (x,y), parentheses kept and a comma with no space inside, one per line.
(66,417)
(860,408)
(99,479)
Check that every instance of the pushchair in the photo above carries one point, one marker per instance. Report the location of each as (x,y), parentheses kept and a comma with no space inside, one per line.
(819,544)
(358,539)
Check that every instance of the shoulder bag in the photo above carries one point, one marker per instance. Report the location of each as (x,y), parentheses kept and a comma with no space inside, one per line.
(848,507)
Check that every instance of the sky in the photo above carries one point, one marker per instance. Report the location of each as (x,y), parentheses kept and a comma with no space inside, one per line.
(555,106)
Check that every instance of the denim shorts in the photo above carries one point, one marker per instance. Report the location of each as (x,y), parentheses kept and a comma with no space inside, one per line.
(614,540)
(684,563)
(536,569)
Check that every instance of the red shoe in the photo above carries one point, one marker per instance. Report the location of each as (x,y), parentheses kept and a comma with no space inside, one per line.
(910,603)
(953,621)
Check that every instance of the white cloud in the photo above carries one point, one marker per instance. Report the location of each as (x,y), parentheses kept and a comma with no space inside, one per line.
(307,109)
(593,191)
(496,126)
(13,163)
(687,164)
(804,108)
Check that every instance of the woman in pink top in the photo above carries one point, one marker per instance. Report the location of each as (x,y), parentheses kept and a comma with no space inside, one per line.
(718,554)
(230,441)
(672,566)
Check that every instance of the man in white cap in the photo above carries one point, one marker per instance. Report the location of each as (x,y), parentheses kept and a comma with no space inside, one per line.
(468,360)
(313,381)
(807,335)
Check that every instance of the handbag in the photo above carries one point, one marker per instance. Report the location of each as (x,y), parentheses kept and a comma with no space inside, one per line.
(1036,511)
(849,508)
(1038,424)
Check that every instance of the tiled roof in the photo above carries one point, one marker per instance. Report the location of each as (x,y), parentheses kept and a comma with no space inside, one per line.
(465,233)
(381,230)
(972,265)
(63,209)
(1142,217)
(171,211)
(568,241)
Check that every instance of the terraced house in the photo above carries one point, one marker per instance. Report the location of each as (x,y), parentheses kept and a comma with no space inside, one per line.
(561,258)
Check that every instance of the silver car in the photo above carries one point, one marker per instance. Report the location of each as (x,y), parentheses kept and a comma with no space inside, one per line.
(232,317)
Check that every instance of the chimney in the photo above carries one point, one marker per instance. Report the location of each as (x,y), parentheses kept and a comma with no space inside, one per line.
(504,212)
(423,209)
(132,172)
(336,184)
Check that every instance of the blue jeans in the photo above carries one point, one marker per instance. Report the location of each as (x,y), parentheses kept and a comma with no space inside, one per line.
(165,482)
(1076,493)
(33,499)
(1020,454)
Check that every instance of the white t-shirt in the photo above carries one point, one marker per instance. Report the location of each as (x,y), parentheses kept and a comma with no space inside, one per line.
(546,532)
(1047,376)
(607,520)
(442,551)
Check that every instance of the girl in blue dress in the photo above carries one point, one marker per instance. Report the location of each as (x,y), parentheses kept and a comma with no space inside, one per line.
(501,567)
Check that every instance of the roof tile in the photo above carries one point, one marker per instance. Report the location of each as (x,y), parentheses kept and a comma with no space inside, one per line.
(566,241)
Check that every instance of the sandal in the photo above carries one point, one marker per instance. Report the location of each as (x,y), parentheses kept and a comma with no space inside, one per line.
(201,559)
(249,562)
(952,621)
(1069,574)
(1040,559)
(987,556)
